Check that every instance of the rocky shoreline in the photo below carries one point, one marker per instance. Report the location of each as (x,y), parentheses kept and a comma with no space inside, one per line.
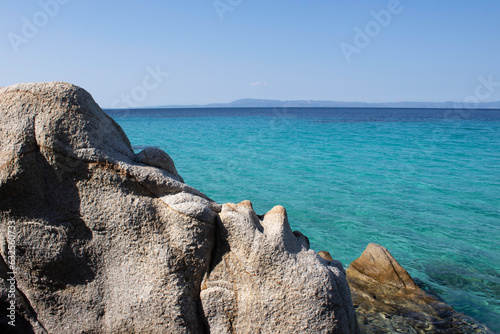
(388,300)
(98,239)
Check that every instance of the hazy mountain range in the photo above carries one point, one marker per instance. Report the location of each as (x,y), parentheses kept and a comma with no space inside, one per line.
(253,103)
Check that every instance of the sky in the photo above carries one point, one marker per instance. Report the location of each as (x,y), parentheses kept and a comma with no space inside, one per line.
(163,52)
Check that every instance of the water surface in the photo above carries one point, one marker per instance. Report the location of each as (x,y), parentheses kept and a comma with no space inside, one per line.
(424,183)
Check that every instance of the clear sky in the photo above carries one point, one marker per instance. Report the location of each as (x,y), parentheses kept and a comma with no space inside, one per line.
(224,50)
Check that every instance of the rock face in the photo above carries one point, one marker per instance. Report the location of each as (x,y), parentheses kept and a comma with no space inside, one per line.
(388,300)
(260,267)
(108,241)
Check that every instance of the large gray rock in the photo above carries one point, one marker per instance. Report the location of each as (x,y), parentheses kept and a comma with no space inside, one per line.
(265,279)
(107,241)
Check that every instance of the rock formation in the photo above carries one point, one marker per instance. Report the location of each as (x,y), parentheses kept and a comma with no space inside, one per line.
(387,299)
(108,241)
(261,267)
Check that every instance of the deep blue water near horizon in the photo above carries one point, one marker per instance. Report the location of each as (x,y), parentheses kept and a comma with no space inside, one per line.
(424,183)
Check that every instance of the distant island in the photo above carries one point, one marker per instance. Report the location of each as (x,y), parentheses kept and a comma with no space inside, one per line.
(256,103)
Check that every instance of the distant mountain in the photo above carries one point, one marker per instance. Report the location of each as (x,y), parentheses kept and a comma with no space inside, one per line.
(256,103)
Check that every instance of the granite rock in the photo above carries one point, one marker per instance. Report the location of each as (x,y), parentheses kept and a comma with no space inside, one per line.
(261,266)
(109,241)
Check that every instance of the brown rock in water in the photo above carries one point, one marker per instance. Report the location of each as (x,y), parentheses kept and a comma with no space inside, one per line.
(108,241)
(388,300)
(376,263)
(325,255)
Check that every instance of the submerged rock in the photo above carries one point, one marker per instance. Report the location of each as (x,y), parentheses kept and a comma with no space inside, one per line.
(387,299)
(108,241)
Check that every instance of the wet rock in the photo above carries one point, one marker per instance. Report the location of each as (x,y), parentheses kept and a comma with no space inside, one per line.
(387,299)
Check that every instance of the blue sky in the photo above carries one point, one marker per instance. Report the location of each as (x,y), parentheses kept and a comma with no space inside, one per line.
(281,49)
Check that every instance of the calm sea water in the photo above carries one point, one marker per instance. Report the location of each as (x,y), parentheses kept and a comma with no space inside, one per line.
(423,183)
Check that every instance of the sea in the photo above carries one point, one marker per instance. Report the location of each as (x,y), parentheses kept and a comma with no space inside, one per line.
(424,183)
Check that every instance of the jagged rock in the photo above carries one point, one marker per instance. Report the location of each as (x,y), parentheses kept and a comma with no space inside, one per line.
(108,241)
(104,241)
(261,266)
(387,300)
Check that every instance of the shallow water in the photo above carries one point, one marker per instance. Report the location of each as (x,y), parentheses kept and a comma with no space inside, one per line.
(423,183)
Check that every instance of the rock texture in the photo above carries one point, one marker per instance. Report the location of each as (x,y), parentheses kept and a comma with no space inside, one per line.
(261,267)
(387,299)
(108,241)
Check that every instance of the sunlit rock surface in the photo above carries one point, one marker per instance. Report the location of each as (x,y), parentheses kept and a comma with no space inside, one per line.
(261,266)
(387,300)
(108,241)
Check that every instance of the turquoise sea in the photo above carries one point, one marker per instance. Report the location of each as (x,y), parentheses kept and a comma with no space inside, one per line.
(424,183)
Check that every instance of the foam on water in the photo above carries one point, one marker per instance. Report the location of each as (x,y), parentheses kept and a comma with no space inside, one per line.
(423,183)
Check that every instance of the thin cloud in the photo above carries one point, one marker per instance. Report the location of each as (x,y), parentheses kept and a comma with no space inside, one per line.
(259,83)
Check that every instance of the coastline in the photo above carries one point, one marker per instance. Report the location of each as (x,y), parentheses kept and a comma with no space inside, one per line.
(152,173)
